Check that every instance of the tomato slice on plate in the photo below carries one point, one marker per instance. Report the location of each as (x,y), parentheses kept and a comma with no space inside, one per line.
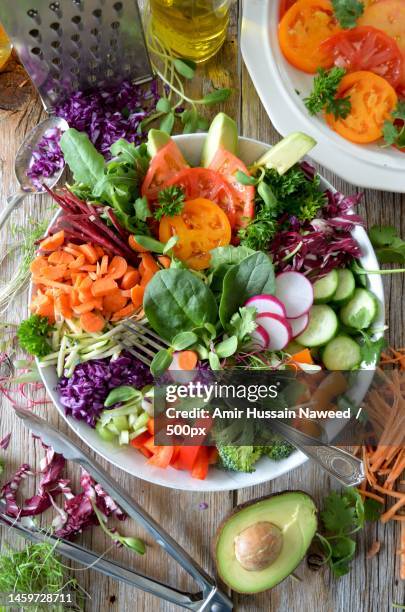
(285,5)
(388,16)
(302,30)
(372,101)
(201,227)
(366,48)
(163,166)
(227,164)
(208,184)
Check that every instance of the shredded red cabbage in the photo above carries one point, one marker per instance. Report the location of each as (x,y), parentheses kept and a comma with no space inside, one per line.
(318,246)
(4,442)
(105,115)
(83,395)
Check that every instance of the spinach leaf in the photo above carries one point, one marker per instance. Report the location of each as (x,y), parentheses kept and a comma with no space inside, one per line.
(86,163)
(177,301)
(229,255)
(253,276)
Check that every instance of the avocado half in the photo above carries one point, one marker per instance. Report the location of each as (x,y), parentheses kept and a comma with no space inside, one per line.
(262,542)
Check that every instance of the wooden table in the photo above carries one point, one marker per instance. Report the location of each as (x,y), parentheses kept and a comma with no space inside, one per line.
(371,585)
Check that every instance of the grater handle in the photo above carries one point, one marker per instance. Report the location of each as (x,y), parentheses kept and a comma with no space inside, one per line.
(13,202)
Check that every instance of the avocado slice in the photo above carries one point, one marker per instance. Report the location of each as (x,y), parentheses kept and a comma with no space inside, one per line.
(156,141)
(283,155)
(263,541)
(223,133)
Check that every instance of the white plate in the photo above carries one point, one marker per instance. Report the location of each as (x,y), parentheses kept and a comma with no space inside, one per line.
(277,83)
(133,462)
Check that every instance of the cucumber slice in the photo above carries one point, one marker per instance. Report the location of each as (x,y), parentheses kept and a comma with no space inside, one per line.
(322,326)
(105,433)
(341,353)
(345,288)
(360,311)
(325,287)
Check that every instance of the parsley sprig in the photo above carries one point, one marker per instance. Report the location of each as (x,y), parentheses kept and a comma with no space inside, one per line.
(342,516)
(347,12)
(394,134)
(171,202)
(323,94)
(33,336)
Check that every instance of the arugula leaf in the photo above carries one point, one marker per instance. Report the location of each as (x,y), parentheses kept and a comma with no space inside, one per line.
(389,247)
(171,202)
(323,94)
(347,12)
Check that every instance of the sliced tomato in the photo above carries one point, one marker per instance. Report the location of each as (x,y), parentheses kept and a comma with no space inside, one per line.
(388,16)
(284,6)
(164,165)
(200,468)
(372,101)
(366,48)
(302,30)
(208,184)
(201,227)
(227,164)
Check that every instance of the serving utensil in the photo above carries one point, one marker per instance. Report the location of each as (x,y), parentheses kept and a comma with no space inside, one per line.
(209,599)
(146,341)
(22,165)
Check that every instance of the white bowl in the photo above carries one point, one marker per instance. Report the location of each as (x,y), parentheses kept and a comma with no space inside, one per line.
(133,462)
(277,83)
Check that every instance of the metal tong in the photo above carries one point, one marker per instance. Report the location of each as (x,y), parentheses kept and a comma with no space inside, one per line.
(210,598)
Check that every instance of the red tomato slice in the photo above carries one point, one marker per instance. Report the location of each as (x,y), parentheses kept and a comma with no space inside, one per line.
(208,184)
(366,48)
(388,16)
(165,164)
(227,164)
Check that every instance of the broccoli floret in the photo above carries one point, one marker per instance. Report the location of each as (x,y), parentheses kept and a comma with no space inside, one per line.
(278,449)
(239,458)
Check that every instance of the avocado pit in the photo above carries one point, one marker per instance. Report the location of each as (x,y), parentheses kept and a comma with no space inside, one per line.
(258,546)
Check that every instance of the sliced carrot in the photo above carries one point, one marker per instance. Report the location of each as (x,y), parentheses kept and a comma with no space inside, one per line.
(114,302)
(38,264)
(53,272)
(79,261)
(117,267)
(126,293)
(88,306)
(164,261)
(151,426)
(72,249)
(88,268)
(85,284)
(60,257)
(41,280)
(92,322)
(135,246)
(104,286)
(52,243)
(89,252)
(187,360)
(100,251)
(86,296)
(130,279)
(74,299)
(147,276)
(137,294)
(303,356)
(124,313)
(45,307)
(141,268)
(63,305)
(149,262)
(104,265)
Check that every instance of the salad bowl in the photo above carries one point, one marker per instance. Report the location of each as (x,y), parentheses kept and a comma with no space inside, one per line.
(134,463)
(282,89)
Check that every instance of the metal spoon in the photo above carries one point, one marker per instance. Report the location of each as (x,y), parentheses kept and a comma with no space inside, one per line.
(22,164)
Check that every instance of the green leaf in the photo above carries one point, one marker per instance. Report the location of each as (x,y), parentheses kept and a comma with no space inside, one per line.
(245,179)
(243,323)
(265,192)
(184,340)
(163,105)
(371,349)
(227,347)
(216,96)
(184,68)
(170,244)
(229,255)
(167,123)
(324,89)
(203,124)
(171,202)
(211,329)
(382,235)
(121,394)
(134,544)
(83,159)
(161,362)
(252,276)
(177,300)
(142,210)
(372,510)
(347,12)
(337,516)
(150,243)
(390,132)
(213,360)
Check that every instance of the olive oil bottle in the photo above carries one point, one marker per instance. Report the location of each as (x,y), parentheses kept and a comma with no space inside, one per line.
(193,29)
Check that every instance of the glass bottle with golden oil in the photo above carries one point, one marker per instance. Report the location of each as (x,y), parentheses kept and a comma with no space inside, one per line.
(193,29)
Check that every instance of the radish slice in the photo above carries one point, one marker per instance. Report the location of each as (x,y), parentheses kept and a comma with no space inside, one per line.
(278,328)
(267,303)
(260,338)
(299,325)
(296,293)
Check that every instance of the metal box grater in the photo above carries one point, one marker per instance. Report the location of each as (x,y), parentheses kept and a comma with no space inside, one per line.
(72,45)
